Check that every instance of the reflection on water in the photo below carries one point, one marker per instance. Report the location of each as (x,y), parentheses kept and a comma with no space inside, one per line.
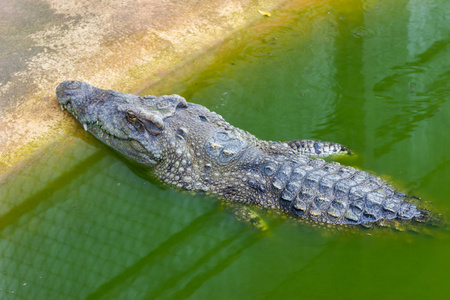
(373,75)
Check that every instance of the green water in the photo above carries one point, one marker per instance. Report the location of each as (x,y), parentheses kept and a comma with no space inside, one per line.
(372,75)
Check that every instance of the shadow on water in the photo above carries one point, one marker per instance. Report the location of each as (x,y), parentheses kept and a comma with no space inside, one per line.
(132,239)
(80,223)
(194,269)
(40,197)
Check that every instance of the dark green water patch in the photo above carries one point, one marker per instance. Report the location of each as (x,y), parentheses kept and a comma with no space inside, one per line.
(372,75)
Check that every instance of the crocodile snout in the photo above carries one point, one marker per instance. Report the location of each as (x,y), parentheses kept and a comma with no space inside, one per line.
(66,90)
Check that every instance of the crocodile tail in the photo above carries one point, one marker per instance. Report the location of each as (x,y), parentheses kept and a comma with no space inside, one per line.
(332,193)
(431,219)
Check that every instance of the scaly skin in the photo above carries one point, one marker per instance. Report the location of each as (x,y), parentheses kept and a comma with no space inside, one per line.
(317,148)
(188,146)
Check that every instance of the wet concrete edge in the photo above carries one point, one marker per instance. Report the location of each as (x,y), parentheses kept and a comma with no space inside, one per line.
(126,48)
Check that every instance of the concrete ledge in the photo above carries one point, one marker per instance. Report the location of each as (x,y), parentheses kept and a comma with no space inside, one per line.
(121,44)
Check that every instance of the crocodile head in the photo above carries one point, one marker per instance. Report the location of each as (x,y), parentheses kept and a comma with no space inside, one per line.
(130,124)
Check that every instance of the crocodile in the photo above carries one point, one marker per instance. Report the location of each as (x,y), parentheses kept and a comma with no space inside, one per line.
(192,148)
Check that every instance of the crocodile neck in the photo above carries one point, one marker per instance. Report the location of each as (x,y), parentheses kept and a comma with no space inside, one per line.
(228,162)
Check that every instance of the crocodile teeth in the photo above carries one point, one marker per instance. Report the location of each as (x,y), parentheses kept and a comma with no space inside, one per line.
(62,107)
(85,126)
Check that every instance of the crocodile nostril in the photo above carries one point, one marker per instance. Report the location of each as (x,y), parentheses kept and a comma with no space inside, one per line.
(66,90)
(73,85)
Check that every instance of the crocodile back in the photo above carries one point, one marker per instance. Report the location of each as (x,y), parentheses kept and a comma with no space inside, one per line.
(332,193)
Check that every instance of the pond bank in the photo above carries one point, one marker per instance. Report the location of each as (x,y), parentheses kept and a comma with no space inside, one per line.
(125,45)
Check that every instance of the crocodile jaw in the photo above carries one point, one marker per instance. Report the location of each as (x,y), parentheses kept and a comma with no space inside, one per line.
(97,111)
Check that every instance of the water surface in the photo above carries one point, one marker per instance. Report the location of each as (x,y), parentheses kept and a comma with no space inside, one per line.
(372,75)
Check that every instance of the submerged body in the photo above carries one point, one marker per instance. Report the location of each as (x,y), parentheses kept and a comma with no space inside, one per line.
(188,146)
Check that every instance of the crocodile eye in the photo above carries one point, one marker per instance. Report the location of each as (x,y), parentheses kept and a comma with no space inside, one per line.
(131,117)
(134,120)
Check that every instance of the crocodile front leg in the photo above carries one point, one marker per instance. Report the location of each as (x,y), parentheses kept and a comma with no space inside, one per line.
(314,148)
